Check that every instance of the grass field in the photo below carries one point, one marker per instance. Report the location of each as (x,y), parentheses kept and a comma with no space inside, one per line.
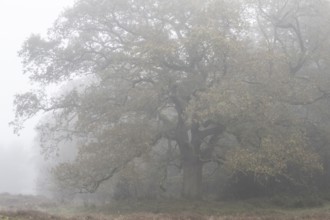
(22,208)
(36,215)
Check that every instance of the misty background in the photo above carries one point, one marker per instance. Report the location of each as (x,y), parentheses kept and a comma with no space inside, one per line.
(18,155)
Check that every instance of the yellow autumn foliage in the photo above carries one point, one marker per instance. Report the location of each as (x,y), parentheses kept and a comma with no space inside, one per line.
(276,158)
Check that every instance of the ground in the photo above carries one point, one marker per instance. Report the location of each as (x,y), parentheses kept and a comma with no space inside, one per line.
(38,208)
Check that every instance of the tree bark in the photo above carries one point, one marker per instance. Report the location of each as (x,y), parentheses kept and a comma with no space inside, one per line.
(192,178)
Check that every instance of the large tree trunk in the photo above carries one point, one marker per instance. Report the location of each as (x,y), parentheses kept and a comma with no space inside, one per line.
(191,156)
(192,178)
(189,145)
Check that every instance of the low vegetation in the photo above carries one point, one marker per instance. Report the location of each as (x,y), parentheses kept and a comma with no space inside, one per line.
(281,207)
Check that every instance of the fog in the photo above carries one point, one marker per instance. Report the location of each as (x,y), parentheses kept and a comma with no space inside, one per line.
(18,20)
(154,101)
(17,169)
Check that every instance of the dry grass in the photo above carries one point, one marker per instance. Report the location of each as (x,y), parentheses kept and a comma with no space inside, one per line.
(24,208)
(35,215)
(22,215)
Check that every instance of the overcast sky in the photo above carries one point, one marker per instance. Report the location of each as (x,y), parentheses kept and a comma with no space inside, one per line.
(18,20)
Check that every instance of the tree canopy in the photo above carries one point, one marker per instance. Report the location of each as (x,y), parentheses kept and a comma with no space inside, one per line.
(132,74)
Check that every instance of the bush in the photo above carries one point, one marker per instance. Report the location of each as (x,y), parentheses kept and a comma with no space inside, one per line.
(303,201)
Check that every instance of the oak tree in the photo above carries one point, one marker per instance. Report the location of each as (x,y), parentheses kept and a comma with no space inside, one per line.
(135,73)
